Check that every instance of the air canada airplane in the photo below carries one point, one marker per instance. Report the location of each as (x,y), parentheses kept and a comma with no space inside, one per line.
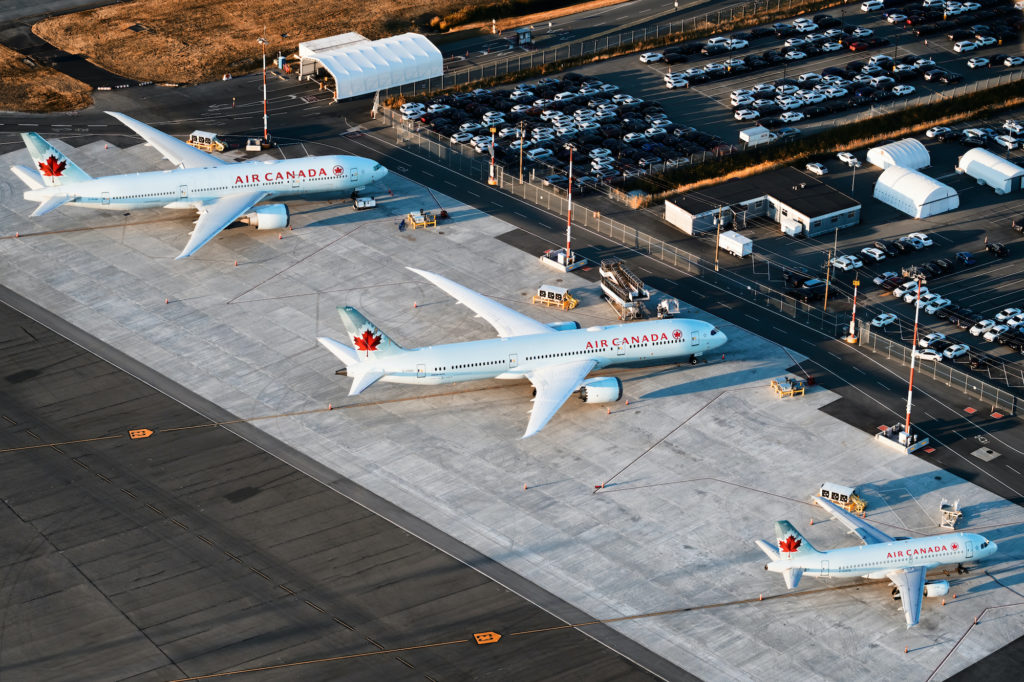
(904,561)
(221,192)
(555,358)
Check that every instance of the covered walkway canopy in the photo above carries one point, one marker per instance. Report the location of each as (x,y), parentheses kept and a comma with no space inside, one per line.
(360,66)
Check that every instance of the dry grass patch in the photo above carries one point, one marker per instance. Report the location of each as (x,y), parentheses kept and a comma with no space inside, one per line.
(539,17)
(191,41)
(39,88)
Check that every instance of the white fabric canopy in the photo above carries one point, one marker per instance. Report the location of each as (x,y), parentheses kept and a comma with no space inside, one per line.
(908,153)
(362,66)
(915,193)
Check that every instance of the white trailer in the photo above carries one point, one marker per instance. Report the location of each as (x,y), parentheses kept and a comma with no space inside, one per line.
(736,244)
(757,135)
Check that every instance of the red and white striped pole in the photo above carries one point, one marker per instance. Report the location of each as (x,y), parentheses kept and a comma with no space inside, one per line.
(852,337)
(913,355)
(568,221)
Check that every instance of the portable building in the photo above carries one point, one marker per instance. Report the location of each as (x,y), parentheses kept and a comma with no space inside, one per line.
(914,193)
(991,169)
(908,153)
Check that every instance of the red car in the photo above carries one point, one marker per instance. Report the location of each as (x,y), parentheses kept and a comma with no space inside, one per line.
(858,46)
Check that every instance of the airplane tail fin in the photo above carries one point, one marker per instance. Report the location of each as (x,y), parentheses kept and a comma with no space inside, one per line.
(54,168)
(368,339)
(362,375)
(790,542)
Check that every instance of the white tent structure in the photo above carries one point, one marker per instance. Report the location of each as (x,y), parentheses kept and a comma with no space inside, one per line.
(991,169)
(914,193)
(360,66)
(908,153)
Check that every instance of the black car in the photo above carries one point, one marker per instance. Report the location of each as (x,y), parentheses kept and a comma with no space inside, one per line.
(771,122)
(997,249)
(950,136)
(815,111)
(673,57)
(943,264)
(947,312)
(1017,224)
(762,31)
(931,269)
(979,362)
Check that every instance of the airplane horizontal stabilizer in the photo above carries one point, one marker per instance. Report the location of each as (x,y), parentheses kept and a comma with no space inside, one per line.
(792,576)
(363,380)
(28,176)
(50,203)
(340,351)
(767,549)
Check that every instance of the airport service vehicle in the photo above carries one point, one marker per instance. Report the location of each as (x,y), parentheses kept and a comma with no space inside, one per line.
(556,358)
(1006,313)
(903,561)
(883,320)
(222,192)
(736,244)
(816,168)
(757,135)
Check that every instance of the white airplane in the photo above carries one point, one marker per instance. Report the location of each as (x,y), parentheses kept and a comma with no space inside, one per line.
(556,358)
(904,561)
(221,192)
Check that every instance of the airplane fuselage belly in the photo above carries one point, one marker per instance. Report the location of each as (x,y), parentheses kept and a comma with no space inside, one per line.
(512,358)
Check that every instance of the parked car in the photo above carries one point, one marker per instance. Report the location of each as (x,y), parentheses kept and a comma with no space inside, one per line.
(816,168)
(883,320)
(997,249)
(956,350)
(849,159)
(937,304)
(995,332)
(928,354)
(873,254)
(927,340)
(981,326)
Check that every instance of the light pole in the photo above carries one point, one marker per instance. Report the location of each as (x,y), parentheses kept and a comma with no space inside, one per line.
(852,337)
(491,180)
(718,235)
(828,266)
(568,219)
(266,130)
(854,180)
(522,142)
(913,356)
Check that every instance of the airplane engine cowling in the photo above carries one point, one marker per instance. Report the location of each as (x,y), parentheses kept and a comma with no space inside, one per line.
(566,326)
(269,217)
(936,588)
(601,390)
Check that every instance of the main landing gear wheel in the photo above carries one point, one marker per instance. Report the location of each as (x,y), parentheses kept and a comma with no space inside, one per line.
(693,359)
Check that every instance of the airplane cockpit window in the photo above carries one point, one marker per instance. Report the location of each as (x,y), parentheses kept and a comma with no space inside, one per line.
(984,544)
(376,166)
(713,332)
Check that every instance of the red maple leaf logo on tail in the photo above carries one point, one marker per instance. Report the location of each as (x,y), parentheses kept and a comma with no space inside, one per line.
(52,168)
(367,341)
(789,544)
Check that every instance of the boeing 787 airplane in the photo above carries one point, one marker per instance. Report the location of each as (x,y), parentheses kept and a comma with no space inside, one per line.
(904,561)
(555,358)
(221,192)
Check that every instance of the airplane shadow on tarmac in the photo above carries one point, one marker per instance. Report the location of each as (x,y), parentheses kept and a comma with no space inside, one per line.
(717,382)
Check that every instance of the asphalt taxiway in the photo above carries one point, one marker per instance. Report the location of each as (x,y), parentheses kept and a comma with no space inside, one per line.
(205,549)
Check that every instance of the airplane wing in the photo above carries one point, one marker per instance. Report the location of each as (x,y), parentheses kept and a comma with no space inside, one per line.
(868,533)
(554,385)
(216,216)
(910,582)
(173,149)
(505,320)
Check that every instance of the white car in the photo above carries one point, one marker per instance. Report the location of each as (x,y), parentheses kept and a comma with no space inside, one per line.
(1007,313)
(872,5)
(539,153)
(711,67)
(872,253)
(745,100)
(925,239)
(1015,321)
(518,144)
(600,153)
(816,168)
(981,327)
(791,116)
(735,44)
(896,18)
(788,103)
(609,87)
(847,263)
(937,304)
(794,42)
(907,287)
(849,159)
(862,32)
(883,320)
(903,90)
(676,80)
(911,296)
(835,92)
(965,46)
(1013,61)
(926,299)
(995,332)
(795,55)
(461,137)
(412,108)
(928,339)
(768,88)
(831,47)
(630,138)
(470,126)
(985,41)
(1013,126)
(977,63)
(812,97)
(929,354)
(1007,142)
(956,350)
(651,57)
(938,130)
(805,27)
(746,114)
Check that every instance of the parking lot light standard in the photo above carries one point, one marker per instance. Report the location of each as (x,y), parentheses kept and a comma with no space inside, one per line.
(522,139)
(913,355)
(852,336)
(491,180)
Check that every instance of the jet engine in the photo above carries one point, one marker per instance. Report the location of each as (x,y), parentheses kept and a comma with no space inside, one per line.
(601,390)
(566,326)
(269,217)
(936,588)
